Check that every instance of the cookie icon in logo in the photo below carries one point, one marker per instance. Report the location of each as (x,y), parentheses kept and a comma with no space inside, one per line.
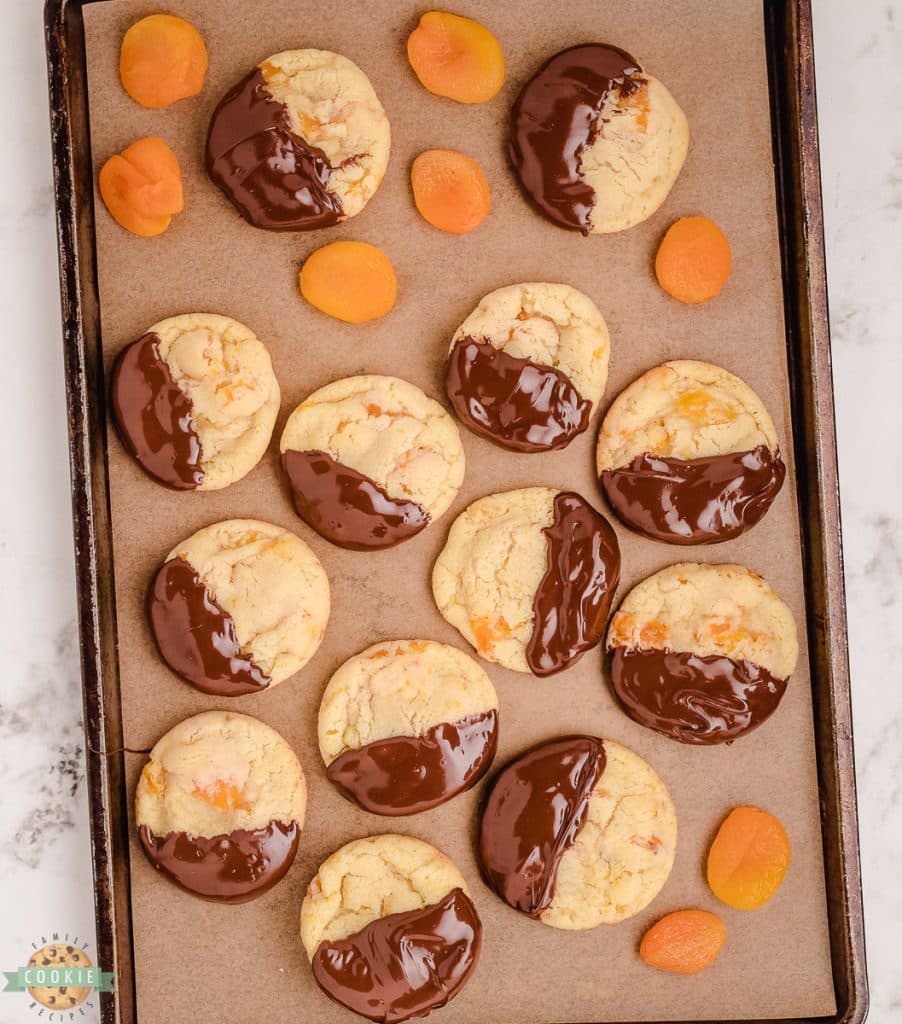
(59,997)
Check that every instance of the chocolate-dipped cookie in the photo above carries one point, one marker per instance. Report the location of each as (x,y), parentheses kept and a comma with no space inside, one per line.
(596,142)
(577,832)
(528,366)
(688,454)
(527,578)
(389,928)
(195,401)
(371,461)
(301,142)
(406,725)
(702,653)
(239,606)
(220,806)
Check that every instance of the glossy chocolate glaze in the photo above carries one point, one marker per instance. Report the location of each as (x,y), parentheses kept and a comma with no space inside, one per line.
(694,699)
(555,117)
(403,965)
(275,179)
(153,416)
(514,402)
(534,811)
(695,501)
(573,600)
(231,868)
(408,774)
(196,637)
(345,506)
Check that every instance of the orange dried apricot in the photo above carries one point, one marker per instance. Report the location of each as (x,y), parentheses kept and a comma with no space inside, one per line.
(693,260)
(684,942)
(748,858)
(142,187)
(352,281)
(456,57)
(450,190)
(162,59)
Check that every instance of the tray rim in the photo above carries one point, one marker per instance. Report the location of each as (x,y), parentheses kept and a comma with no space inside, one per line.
(797,169)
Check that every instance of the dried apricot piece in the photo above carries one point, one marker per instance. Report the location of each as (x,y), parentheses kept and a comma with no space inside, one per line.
(352,281)
(450,190)
(693,260)
(456,57)
(684,942)
(163,59)
(142,187)
(748,858)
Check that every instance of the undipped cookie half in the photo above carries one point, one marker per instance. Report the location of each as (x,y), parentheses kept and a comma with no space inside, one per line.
(239,606)
(220,806)
(301,142)
(596,142)
(688,454)
(389,928)
(527,577)
(702,653)
(528,366)
(195,400)
(577,832)
(406,725)
(371,461)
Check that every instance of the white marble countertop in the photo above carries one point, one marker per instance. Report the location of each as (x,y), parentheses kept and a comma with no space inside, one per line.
(45,873)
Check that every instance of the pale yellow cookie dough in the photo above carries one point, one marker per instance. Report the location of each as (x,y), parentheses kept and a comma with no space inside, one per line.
(550,324)
(684,409)
(708,610)
(486,577)
(333,106)
(400,688)
(389,431)
(272,585)
(217,772)
(636,155)
(371,878)
(226,372)
(623,854)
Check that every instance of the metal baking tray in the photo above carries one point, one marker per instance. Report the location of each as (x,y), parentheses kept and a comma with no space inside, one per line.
(795,147)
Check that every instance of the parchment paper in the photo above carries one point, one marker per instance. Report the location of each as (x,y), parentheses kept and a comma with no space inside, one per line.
(244,964)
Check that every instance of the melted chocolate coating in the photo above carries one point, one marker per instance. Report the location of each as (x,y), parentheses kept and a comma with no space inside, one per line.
(408,774)
(573,600)
(555,117)
(154,416)
(514,402)
(532,816)
(196,637)
(231,868)
(694,699)
(275,178)
(345,506)
(695,501)
(403,965)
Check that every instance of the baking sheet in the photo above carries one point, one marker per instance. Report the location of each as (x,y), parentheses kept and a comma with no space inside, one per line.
(247,961)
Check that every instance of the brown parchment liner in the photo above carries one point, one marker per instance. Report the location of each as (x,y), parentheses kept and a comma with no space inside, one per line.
(245,963)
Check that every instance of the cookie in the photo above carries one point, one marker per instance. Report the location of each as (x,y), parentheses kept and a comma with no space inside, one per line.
(220,806)
(59,955)
(195,401)
(389,928)
(302,142)
(527,578)
(688,454)
(528,366)
(371,461)
(406,725)
(577,832)
(239,606)
(702,653)
(596,141)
